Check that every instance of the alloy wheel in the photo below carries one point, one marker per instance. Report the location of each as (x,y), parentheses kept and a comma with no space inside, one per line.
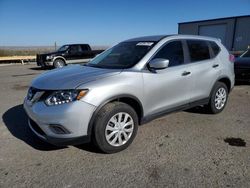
(220,98)
(119,129)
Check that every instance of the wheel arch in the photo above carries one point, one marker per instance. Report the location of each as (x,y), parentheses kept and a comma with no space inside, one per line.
(59,57)
(131,100)
(226,81)
(223,79)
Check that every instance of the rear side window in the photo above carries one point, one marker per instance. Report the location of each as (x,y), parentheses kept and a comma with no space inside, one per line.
(172,51)
(215,48)
(198,50)
(75,49)
(85,47)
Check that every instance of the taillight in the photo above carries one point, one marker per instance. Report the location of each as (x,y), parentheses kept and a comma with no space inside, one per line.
(231,58)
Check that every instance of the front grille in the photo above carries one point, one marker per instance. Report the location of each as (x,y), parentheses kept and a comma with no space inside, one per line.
(36,128)
(40,59)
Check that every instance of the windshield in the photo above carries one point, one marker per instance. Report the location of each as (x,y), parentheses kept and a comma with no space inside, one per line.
(123,55)
(246,54)
(63,48)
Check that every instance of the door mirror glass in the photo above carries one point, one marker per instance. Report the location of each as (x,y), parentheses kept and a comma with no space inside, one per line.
(158,63)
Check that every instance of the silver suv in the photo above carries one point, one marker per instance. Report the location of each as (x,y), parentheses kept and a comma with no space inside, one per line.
(128,85)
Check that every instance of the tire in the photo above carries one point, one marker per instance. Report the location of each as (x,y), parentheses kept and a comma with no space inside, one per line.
(59,63)
(105,130)
(219,94)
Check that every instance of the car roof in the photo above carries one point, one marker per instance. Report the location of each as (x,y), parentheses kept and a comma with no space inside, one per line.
(154,38)
(73,44)
(157,38)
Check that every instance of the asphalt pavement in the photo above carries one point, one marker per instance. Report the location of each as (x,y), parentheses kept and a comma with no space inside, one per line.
(184,149)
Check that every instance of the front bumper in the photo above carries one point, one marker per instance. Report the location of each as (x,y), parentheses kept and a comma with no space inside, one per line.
(45,63)
(65,124)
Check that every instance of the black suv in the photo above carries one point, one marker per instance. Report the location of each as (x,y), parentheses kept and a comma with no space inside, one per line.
(71,53)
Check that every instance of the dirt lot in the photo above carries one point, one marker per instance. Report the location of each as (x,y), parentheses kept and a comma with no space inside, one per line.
(185,149)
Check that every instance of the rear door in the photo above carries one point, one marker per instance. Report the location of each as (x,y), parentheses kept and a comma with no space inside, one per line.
(168,88)
(86,52)
(205,67)
(74,54)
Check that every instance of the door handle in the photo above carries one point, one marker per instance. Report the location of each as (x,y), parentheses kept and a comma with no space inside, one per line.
(215,65)
(185,73)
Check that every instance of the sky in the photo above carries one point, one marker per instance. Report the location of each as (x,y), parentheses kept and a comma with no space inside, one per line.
(106,22)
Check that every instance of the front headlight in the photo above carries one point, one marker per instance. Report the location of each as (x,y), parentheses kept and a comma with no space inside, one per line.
(64,96)
(50,57)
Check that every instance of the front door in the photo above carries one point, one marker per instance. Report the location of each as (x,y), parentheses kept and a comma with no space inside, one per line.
(171,87)
(74,54)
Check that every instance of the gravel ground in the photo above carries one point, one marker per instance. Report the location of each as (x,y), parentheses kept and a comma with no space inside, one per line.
(184,149)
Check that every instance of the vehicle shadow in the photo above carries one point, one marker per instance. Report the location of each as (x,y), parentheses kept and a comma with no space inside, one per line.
(198,110)
(15,119)
(90,147)
(41,68)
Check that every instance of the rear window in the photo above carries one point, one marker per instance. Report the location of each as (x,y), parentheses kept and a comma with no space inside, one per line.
(215,48)
(198,50)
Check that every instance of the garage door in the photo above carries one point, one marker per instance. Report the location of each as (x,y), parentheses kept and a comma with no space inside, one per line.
(217,31)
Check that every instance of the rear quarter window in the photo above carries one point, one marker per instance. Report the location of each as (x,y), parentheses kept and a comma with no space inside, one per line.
(198,50)
(215,48)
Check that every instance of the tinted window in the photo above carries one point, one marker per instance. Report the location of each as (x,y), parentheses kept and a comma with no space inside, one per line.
(85,47)
(215,48)
(63,48)
(172,51)
(75,49)
(198,50)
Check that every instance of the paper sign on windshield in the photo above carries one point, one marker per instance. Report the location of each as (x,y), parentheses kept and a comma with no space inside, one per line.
(144,44)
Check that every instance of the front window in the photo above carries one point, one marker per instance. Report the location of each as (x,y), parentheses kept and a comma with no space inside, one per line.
(123,55)
(172,51)
(63,48)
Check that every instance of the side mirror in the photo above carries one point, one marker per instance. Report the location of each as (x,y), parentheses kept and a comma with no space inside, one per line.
(158,63)
(67,51)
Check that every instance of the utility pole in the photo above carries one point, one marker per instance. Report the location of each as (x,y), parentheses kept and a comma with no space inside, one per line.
(55,46)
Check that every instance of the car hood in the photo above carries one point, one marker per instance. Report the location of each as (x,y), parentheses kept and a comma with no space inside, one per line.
(70,77)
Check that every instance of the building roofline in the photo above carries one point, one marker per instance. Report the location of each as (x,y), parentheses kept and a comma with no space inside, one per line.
(216,19)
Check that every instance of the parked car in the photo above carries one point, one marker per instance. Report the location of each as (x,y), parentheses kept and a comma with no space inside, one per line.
(128,85)
(242,67)
(70,53)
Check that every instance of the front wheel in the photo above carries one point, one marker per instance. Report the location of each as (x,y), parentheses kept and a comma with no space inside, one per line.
(218,99)
(59,63)
(115,127)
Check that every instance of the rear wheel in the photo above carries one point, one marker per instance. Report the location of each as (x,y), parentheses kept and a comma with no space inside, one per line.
(218,99)
(115,127)
(59,63)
